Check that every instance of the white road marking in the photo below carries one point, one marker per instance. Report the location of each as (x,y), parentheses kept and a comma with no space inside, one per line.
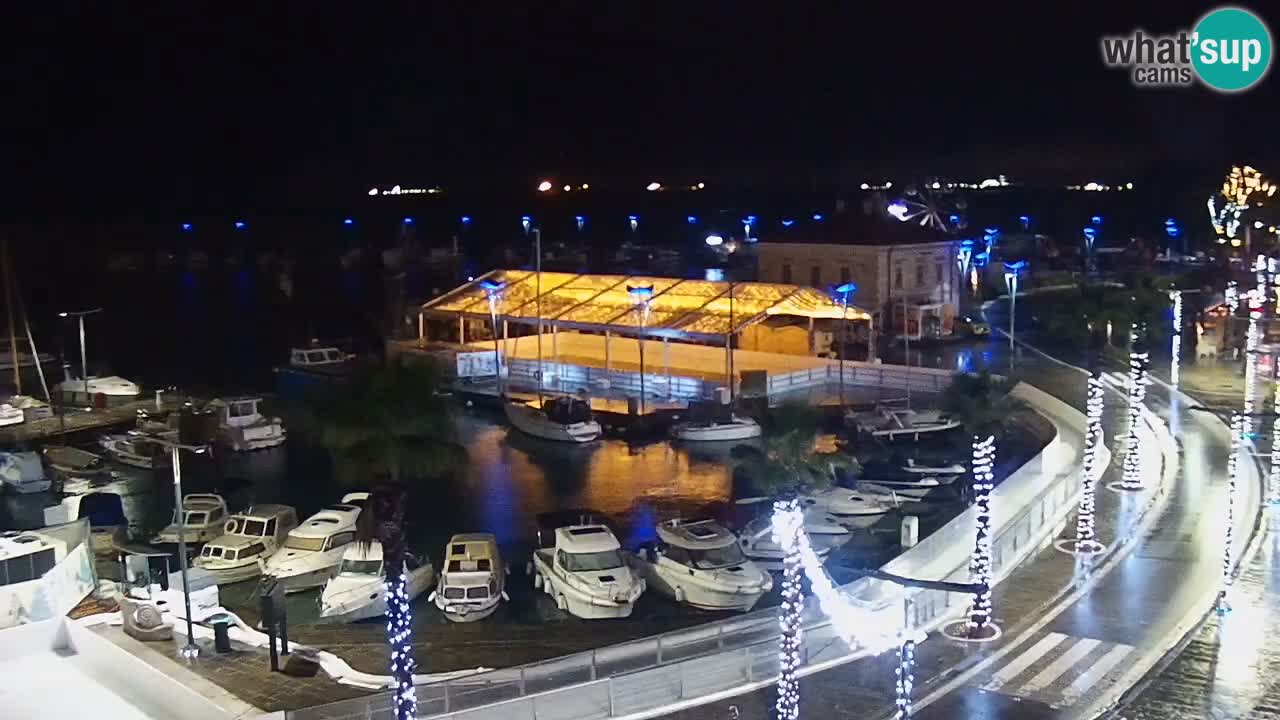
(1095,673)
(1045,677)
(1024,661)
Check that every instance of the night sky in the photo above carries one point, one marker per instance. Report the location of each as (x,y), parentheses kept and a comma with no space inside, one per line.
(218,109)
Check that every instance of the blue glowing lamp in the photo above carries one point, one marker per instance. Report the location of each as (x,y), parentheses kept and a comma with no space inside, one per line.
(491,286)
(1015,267)
(641,292)
(1096,219)
(408,221)
(715,240)
(466,219)
(898,209)
(348,221)
(525,221)
(955,219)
(186,227)
(751,220)
(788,222)
(692,219)
(817,217)
(1025,220)
(1090,233)
(845,290)
(240,225)
(967,243)
(1170,222)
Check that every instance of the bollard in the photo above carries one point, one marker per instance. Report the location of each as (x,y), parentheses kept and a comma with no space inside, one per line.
(222,635)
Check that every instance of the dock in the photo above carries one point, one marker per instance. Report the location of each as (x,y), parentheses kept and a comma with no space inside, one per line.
(69,421)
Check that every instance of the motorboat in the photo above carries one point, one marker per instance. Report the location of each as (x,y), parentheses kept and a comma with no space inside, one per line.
(22,472)
(715,423)
(850,508)
(560,418)
(25,556)
(10,415)
(312,551)
(586,573)
(71,460)
(919,468)
(241,427)
(826,534)
(358,591)
(113,387)
(889,423)
(200,519)
(137,450)
(248,537)
(319,359)
(471,585)
(700,563)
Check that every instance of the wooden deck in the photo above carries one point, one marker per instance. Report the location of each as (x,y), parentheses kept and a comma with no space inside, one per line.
(70,421)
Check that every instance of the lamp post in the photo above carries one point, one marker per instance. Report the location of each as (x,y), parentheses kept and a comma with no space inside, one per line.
(641,295)
(493,292)
(1011,271)
(189,651)
(844,291)
(1090,234)
(84,366)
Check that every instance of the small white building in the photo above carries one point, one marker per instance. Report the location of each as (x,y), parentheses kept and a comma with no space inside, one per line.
(895,265)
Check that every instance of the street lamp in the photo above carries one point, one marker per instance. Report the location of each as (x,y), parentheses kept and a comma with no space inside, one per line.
(84,364)
(844,291)
(493,292)
(641,295)
(1011,271)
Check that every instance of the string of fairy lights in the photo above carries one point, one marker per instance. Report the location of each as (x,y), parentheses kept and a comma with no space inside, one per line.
(788,524)
(1131,477)
(905,679)
(398,632)
(1085,537)
(984,453)
(1175,342)
(1233,471)
(1273,476)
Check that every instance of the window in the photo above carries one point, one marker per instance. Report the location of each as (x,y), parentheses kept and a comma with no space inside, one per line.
(477,593)
(315,357)
(493,586)
(844,275)
(253,527)
(677,554)
(271,528)
(454,593)
(240,409)
(293,542)
(360,567)
(583,562)
(333,356)
(195,518)
(341,539)
(815,276)
(254,549)
(897,278)
(717,557)
(919,274)
(786,272)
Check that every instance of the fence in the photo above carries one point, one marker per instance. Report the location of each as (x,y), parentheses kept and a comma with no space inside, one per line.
(896,377)
(741,653)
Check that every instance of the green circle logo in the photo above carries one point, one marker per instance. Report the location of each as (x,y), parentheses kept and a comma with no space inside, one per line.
(1231,49)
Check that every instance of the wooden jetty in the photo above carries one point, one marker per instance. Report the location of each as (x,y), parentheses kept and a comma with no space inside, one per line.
(74,420)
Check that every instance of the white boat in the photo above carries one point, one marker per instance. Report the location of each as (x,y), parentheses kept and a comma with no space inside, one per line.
(318,358)
(26,556)
(850,508)
(241,427)
(22,472)
(248,537)
(113,387)
(108,525)
(10,415)
(561,418)
(67,459)
(313,550)
(734,427)
(136,450)
(200,519)
(826,533)
(914,467)
(471,585)
(700,563)
(586,573)
(358,591)
(891,423)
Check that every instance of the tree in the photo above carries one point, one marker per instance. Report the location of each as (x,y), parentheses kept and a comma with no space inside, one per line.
(789,463)
(385,427)
(984,407)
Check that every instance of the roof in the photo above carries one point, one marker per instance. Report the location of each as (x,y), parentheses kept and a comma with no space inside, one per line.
(585,539)
(328,521)
(202,502)
(266,512)
(677,307)
(854,228)
(478,545)
(697,535)
(234,542)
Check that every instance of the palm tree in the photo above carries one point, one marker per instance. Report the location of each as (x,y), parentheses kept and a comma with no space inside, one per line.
(984,407)
(385,427)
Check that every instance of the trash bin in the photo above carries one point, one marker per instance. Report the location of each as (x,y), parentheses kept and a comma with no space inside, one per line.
(222,634)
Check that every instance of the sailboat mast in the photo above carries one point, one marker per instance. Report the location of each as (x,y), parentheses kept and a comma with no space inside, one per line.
(537,264)
(728,345)
(8,304)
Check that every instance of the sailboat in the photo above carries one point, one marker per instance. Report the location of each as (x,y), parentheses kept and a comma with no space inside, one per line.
(719,422)
(561,418)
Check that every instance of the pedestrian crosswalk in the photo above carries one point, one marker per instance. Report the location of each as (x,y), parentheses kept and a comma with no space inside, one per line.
(1056,669)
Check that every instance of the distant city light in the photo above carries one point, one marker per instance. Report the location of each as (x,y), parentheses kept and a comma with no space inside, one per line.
(715,240)
(1025,220)
(817,217)
(567,188)
(936,185)
(186,227)
(397,190)
(466,219)
(544,186)
(633,221)
(1257,224)
(581,220)
(348,221)
(713,275)
(585,186)
(240,225)
(653,186)
(702,186)
(864,186)
(898,209)
(373,191)
(692,219)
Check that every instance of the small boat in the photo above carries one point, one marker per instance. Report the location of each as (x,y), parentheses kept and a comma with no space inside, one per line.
(248,537)
(10,415)
(826,533)
(319,358)
(200,519)
(890,423)
(22,472)
(113,387)
(137,450)
(241,427)
(561,418)
(850,508)
(715,424)
(358,591)
(912,466)
(700,563)
(71,460)
(313,550)
(585,572)
(27,555)
(471,585)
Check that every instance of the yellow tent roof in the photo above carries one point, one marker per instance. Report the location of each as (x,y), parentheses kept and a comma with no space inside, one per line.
(602,302)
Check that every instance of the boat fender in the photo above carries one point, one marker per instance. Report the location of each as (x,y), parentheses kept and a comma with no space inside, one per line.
(679,594)
(537,581)
(505,596)
(230,526)
(561,603)
(432,597)
(528,567)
